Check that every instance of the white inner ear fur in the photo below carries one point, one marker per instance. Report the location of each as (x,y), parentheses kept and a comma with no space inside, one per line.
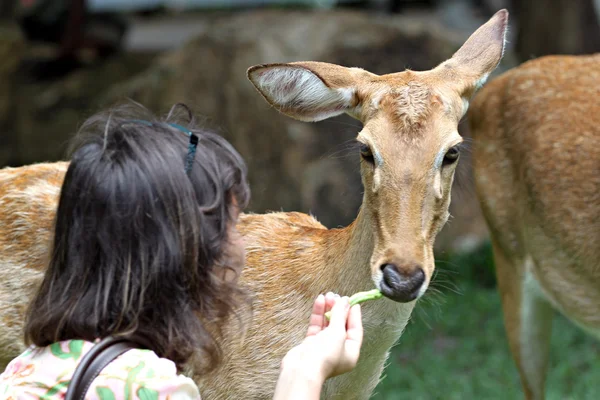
(302,93)
(482,80)
(503,43)
(465,106)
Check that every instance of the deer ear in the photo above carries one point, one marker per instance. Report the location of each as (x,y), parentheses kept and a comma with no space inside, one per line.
(471,65)
(307,91)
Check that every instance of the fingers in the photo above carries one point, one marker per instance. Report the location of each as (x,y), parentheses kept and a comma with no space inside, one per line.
(351,355)
(354,328)
(330,299)
(317,317)
(339,313)
(354,337)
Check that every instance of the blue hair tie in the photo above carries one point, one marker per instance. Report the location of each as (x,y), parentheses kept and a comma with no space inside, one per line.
(192,146)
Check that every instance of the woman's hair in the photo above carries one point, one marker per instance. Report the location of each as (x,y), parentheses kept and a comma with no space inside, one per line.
(140,247)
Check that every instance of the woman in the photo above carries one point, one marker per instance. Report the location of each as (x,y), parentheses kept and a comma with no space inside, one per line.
(145,247)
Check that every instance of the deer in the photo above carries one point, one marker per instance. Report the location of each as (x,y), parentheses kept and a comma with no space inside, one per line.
(536,161)
(409,147)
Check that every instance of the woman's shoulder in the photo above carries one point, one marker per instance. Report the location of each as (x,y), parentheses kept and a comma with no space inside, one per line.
(136,374)
(143,375)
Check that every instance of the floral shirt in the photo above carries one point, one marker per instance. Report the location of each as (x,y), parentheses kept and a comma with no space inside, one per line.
(44,374)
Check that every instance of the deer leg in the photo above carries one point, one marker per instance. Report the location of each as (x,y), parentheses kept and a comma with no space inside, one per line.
(527,319)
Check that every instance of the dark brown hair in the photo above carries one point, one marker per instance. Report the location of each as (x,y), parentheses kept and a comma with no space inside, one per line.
(140,248)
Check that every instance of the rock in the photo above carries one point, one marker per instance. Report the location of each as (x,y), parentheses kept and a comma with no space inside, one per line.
(295,165)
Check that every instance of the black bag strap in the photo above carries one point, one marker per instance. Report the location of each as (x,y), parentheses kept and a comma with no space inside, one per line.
(95,361)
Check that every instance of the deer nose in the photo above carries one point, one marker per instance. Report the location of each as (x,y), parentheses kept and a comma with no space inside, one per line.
(401,286)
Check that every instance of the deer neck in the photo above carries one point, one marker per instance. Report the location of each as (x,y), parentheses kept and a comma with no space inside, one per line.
(347,261)
(348,255)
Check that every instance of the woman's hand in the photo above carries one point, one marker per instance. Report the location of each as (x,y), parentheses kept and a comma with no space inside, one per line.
(329,349)
(333,346)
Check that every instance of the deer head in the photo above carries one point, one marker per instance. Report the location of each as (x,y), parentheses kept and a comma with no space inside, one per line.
(409,144)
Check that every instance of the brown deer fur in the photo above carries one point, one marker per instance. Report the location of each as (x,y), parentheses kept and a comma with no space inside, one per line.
(410,121)
(537,168)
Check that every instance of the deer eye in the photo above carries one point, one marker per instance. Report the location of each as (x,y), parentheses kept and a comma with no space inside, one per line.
(366,154)
(451,155)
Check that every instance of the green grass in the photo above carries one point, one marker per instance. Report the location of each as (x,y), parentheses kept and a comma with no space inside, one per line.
(455,346)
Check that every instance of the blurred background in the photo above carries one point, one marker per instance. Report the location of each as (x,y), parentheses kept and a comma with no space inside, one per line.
(61,61)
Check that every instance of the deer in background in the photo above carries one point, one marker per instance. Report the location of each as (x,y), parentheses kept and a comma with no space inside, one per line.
(409,149)
(537,175)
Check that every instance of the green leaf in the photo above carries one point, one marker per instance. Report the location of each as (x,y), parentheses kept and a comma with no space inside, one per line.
(131,378)
(150,373)
(75,348)
(147,394)
(105,393)
(54,390)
